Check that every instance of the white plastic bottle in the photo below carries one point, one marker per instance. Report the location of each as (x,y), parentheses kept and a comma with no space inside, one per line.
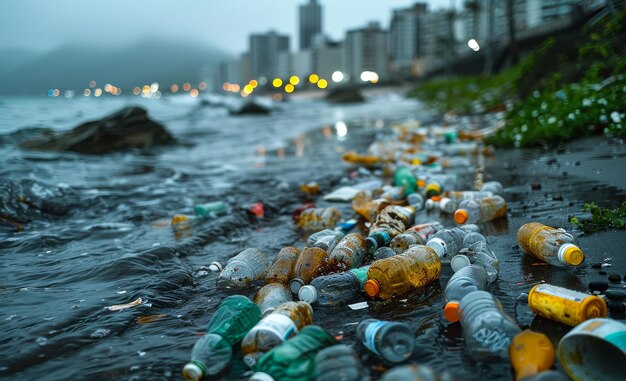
(492,186)
(476,211)
(466,280)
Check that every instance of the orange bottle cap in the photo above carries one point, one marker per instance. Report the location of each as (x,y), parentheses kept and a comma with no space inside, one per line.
(421,183)
(436,198)
(372,288)
(461,216)
(179,218)
(451,311)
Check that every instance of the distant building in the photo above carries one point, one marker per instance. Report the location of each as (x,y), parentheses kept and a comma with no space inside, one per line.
(435,33)
(310,23)
(264,53)
(302,63)
(366,50)
(405,43)
(543,11)
(327,58)
(230,71)
(285,64)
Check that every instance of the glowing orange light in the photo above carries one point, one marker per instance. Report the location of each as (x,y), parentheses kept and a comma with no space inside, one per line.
(243,94)
(253,83)
(187,86)
(322,83)
(174,88)
(248,89)
(235,88)
(289,88)
(313,78)
(136,90)
(202,85)
(56,92)
(294,80)
(277,82)
(145,89)
(98,92)
(194,93)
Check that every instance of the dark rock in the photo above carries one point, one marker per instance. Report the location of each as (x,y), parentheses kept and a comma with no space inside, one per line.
(596,265)
(345,95)
(252,108)
(125,129)
(615,294)
(558,197)
(535,185)
(602,272)
(615,278)
(598,286)
(616,307)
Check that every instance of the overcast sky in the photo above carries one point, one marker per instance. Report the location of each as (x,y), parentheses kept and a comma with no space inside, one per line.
(225,24)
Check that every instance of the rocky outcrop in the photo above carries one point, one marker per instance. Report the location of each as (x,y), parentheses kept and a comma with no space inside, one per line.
(345,95)
(251,108)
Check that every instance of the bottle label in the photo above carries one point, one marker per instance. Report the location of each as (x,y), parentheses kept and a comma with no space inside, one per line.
(493,339)
(370,335)
(560,292)
(277,324)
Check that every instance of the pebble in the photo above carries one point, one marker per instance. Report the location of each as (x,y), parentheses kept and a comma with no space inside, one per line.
(596,265)
(535,186)
(602,272)
(598,286)
(615,278)
(615,294)
(617,307)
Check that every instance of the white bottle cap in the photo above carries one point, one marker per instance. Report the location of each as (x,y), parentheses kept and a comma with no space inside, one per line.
(192,372)
(295,284)
(307,294)
(260,376)
(438,245)
(430,204)
(459,261)
(215,267)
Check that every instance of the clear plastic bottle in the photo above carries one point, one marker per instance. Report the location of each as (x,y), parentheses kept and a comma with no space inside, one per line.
(294,360)
(415,235)
(335,289)
(393,341)
(403,177)
(447,205)
(415,372)
(326,239)
(447,242)
(271,296)
(211,209)
(468,279)
(469,195)
(565,306)
(281,271)
(284,322)
(416,201)
(246,267)
(483,210)
(366,206)
(315,219)
(551,245)
(494,187)
(480,254)
(183,222)
(403,273)
(349,252)
(338,363)
(487,329)
(382,253)
(531,353)
(235,316)
(310,264)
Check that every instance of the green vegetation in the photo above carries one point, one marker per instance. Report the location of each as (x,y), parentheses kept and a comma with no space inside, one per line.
(564,89)
(602,218)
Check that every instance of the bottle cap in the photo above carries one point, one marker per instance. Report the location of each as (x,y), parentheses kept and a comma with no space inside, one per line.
(371,244)
(459,261)
(438,245)
(179,218)
(461,216)
(451,311)
(433,189)
(260,376)
(436,198)
(295,284)
(570,255)
(421,183)
(192,372)
(307,294)
(430,204)
(372,288)
(215,267)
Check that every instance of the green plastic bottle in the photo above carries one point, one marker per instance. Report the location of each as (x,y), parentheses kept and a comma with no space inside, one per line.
(405,179)
(294,360)
(211,209)
(230,323)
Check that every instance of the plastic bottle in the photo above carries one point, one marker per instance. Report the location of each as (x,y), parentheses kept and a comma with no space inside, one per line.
(335,289)
(246,267)
(415,372)
(447,242)
(469,195)
(309,265)
(365,160)
(487,329)
(326,239)
(319,218)
(476,211)
(480,254)
(294,360)
(392,221)
(382,253)
(416,235)
(530,353)
(284,322)
(338,363)
(468,279)
(211,209)
(392,341)
(548,375)
(403,273)
(349,252)
(182,222)
(281,271)
(271,296)
(346,226)
(403,177)
(549,244)
(235,316)
(366,206)
(416,201)
(447,205)
(565,306)
(494,187)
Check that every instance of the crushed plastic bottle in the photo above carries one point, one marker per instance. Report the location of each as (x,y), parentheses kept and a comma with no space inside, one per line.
(211,209)
(271,296)
(565,306)
(393,341)
(382,253)
(335,289)
(415,235)
(284,322)
(551,245)
(447,205)
(349,252)
(483,210)
(480,254)
(494,187)
(281,271)
(468,279)
(392,221)
(487,329)
(403,273)
(447,242)
(294,360)
(245,268)
(469,195)
(531,353)
(414,372)
(315,219)
(338,363)
(366,206)
(232,320)
(416,201)
(309,265)
(326,239)
(403,177)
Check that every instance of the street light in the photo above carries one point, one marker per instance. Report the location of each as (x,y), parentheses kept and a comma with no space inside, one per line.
(473,44)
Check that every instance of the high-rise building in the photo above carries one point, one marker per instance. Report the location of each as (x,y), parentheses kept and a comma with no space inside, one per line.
(542,11)
(327,58)
(405,37)
(264,52)
(366,50)
(310,23)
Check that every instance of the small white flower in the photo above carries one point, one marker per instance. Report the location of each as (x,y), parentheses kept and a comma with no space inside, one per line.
(571,116)
(616,117)
(524,128)
(551,120)
(586,102)
(603,101)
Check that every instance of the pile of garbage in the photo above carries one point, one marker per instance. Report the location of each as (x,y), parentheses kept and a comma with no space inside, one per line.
(394,245)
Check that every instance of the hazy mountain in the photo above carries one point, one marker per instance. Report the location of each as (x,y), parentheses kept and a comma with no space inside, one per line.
(12,58)
(72,67)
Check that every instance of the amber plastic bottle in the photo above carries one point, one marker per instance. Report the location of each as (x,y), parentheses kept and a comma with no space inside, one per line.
(400,274)
(366,206)
(349,252)
(565,306)
(316,219)
(530,353)
(281,271)
(483,210)
(310,264)
(551,245)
